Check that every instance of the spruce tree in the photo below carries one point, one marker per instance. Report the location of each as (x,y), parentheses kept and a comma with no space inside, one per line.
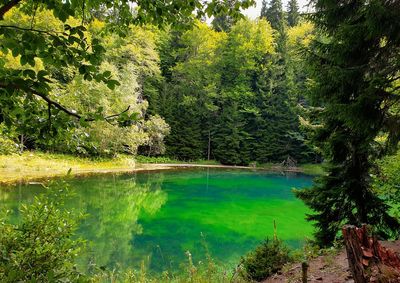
(264,8)
(274,14)
(355,71)
(293,13)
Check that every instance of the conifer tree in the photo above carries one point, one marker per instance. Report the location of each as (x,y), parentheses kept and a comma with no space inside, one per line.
(264,8)
(293,13)
(274,14)
(355,70)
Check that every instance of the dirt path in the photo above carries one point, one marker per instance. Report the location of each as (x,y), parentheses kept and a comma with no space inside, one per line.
(329,268)
(332,268)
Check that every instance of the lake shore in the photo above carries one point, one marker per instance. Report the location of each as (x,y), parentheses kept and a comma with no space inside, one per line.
(35,166)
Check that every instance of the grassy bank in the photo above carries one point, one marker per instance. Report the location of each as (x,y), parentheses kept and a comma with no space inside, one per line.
(166,160)
(37,165)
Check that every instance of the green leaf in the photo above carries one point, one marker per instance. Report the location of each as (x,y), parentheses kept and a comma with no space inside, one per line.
(112,83)
(23,60)
(107,74)
(82,69)
(29,73)
(42,73)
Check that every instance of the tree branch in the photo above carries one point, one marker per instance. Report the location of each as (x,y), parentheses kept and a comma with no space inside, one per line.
(48,32)
(6,7)
(58,105)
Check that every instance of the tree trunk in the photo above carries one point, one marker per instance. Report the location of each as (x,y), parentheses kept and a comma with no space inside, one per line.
(209,145)
(368,260)
(21,144)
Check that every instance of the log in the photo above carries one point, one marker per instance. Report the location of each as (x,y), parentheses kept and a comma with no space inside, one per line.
(368,260)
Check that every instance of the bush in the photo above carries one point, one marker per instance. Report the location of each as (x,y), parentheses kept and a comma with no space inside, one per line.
(7,145)
(265,260)
(40,247)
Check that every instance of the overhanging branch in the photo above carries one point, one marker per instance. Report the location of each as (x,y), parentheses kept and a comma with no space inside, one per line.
(7,7)
(58,105)
(48,32)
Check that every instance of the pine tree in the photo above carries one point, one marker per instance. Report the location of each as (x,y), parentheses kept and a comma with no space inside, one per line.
(355,73)
(293,13)
(274,14)
(264,8)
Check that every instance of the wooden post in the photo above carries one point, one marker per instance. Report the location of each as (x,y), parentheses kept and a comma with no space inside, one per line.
(304,268)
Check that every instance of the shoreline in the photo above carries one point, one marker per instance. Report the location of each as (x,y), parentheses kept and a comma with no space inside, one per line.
(34,167)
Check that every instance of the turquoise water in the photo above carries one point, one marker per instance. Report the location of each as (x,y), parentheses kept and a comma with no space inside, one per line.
(156,217)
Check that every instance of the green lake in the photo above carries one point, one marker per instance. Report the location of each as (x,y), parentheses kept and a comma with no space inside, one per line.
(157,216)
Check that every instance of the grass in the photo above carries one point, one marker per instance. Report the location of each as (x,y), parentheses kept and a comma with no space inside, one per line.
(312,169)
(30,166)
(36,165)
(166,160)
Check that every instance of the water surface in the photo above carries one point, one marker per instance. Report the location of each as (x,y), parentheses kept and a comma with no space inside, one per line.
(157,216)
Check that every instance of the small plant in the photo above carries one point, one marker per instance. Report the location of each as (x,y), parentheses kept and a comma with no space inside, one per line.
(267,259)
(7,144)
(40,247)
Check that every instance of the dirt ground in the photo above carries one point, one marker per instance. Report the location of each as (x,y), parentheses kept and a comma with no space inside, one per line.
(329,268)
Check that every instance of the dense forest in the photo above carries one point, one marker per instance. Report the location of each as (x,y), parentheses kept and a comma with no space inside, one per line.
(231,92)
(195,80)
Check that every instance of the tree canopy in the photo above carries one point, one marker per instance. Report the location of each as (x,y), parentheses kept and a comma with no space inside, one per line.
(355,62)
(67,44)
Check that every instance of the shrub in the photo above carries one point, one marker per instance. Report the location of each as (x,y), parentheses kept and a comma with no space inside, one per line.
(40,247)
(7,145)
(267,259)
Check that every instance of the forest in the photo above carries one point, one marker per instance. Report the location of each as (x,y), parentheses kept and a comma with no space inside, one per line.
(197,81)
(225,92)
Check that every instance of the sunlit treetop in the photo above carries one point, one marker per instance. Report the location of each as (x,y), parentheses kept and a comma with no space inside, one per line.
(67,44)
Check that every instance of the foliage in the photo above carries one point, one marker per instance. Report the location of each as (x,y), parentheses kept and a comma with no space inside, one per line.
(79,49)
(355,67)
(267,259)
(386,181)
(157,129)
(36,165)
(274,14)
(228,96)
(224,22)
(65,44)
(313,169)
(40,247)
(130,59)
(293,14)
(8,144)
(224,97)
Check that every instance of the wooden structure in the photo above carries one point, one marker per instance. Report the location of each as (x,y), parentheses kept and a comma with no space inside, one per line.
(368,260)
